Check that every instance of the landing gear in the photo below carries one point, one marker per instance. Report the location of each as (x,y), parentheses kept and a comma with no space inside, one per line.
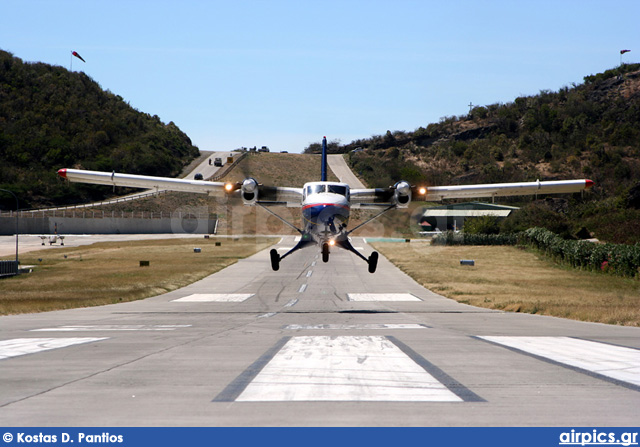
(275,259)
(325,252)
(373,262)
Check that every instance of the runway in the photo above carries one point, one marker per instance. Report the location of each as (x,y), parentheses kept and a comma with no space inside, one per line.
(314,344)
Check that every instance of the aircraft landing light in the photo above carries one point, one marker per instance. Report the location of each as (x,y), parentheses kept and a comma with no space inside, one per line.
(214,297)
(382,297)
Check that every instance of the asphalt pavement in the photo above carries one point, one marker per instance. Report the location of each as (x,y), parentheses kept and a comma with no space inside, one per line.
(314,344)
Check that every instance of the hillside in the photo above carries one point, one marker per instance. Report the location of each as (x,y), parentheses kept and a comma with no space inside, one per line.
(52,118)
(590,130)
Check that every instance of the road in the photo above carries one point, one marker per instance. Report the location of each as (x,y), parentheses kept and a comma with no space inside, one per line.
(341,169)
(314,344)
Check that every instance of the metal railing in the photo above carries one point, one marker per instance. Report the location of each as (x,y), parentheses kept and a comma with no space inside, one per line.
(224,171)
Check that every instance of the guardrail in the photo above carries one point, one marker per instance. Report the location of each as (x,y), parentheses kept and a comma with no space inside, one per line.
(224,171)
(91,205)
(74,213)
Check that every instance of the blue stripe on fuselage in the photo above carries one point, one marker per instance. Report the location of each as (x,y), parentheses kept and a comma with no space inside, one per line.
(325,214)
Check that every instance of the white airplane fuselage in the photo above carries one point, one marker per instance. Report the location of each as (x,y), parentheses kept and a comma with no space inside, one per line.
(325,210)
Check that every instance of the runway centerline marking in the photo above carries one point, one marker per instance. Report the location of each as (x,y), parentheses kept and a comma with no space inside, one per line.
(343,368)
(23,346)
(214,297)
(302,288)
(599,359)
(382,297)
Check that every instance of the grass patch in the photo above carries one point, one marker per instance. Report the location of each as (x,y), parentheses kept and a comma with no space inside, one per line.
(110,272)
(512,279)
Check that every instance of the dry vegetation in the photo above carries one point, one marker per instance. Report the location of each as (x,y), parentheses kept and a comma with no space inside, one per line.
(107,273)
(279,169)
(515,280)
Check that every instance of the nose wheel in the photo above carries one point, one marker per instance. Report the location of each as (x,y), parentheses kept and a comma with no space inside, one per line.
(325,252)
(373,262)
(275,259)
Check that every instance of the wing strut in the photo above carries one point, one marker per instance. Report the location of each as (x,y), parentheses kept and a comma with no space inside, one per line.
(389,208)
(283,220)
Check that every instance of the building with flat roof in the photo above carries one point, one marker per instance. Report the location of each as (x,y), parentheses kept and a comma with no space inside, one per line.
(451,217)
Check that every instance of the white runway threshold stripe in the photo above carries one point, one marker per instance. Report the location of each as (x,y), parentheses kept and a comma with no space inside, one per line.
(24,346)
(382,297)
(344,368)
(214,297)
(614,362)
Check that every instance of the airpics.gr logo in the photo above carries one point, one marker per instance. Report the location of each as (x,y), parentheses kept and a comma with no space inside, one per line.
(598,438)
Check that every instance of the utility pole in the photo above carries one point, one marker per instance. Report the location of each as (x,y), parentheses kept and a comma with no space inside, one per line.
(17,206)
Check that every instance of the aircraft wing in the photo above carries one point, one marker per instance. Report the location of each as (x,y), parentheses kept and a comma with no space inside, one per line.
(381,197)
(504,189)
(142,181)
(267,195)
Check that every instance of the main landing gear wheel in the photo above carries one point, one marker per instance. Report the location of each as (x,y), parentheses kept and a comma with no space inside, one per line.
(325,252)
(373,262)
(275,259)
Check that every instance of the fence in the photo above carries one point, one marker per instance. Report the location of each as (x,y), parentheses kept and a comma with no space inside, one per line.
(8,268)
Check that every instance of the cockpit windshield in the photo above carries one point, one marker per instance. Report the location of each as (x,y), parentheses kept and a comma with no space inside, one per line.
(323,188)
(337,189)
(315,189)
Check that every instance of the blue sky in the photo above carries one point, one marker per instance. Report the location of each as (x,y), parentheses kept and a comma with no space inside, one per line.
(285,73)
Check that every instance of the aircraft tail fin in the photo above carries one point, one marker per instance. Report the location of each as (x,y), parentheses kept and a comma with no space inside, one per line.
(324,159)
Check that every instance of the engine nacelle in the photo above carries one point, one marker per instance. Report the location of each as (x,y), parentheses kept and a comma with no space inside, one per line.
(402,194)
(249,191)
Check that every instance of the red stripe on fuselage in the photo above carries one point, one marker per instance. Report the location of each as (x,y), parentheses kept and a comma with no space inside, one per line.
(313,205)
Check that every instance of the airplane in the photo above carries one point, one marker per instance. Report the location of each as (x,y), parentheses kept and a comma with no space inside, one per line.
(325,205)
(53,238)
